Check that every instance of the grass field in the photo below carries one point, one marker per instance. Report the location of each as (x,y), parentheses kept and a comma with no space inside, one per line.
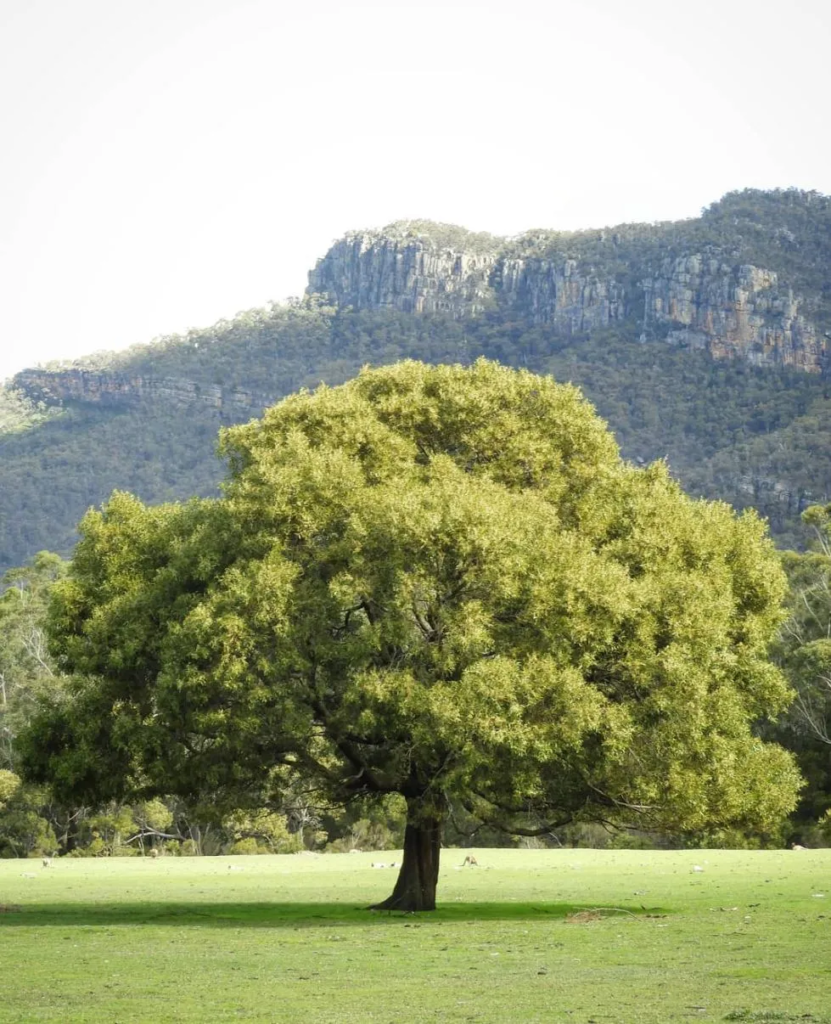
(531,936)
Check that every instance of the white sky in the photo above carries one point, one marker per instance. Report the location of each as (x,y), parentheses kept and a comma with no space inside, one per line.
(170,162)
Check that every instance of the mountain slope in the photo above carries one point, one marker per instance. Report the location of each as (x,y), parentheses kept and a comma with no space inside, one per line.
(752,428)
(748,279)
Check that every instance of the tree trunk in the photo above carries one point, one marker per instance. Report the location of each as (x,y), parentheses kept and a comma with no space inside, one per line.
(415,888)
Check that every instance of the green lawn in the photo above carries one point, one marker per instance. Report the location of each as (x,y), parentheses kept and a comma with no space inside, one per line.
(748,938)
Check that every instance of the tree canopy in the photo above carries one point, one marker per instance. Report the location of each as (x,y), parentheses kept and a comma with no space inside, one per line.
(25,669)
(804,654)
(442,582)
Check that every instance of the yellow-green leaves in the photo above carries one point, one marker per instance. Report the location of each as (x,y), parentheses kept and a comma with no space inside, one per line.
(9,785)
(440,579)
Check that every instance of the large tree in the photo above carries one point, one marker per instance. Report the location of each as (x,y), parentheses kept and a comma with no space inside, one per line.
(804,654)
(26,670)
(441,582)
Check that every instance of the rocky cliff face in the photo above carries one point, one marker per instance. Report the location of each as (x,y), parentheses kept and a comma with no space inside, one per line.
(733,311)
(572,299)
(698,300)
(367,270)
(90,386)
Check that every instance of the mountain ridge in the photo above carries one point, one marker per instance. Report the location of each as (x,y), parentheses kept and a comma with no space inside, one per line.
(754,432)
(690,283)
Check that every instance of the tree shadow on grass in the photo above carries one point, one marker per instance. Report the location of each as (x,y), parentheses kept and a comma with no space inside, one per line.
(295,915)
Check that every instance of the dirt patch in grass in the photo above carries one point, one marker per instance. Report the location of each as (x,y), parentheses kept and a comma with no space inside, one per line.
(598,913)
(774,1017)
(583,917)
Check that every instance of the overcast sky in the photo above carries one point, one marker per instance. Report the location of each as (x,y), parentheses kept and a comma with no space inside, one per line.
(170,162)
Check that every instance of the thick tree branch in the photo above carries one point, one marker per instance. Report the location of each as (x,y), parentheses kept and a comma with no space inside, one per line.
(493,821)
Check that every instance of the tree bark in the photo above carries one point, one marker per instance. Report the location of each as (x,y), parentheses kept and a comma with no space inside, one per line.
(415,888)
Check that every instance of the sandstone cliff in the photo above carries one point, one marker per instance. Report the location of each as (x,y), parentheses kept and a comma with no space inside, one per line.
(371,270)
(101,388)
(700,299)
(732,311)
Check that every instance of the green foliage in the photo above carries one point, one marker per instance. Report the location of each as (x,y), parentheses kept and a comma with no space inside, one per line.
(26,669)
(9,785)
(50,475)
(432,582)
(368,825)
(153,816)
(106,832)
(788,230)
(18,412)
(443,236)
(247,847)
(24,831)
(592,835)
(804,653)
(261,831)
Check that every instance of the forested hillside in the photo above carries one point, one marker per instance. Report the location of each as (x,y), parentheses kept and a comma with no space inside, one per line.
(753,430)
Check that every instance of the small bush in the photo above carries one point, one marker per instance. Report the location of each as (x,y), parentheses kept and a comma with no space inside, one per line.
(247,847)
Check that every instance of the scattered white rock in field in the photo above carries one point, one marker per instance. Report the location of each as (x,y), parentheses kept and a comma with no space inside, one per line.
(28,874)
(378,864)
(355,850)
(697,867)
(819,895)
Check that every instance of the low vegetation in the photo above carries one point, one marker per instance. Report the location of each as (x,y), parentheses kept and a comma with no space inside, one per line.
(537,936)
